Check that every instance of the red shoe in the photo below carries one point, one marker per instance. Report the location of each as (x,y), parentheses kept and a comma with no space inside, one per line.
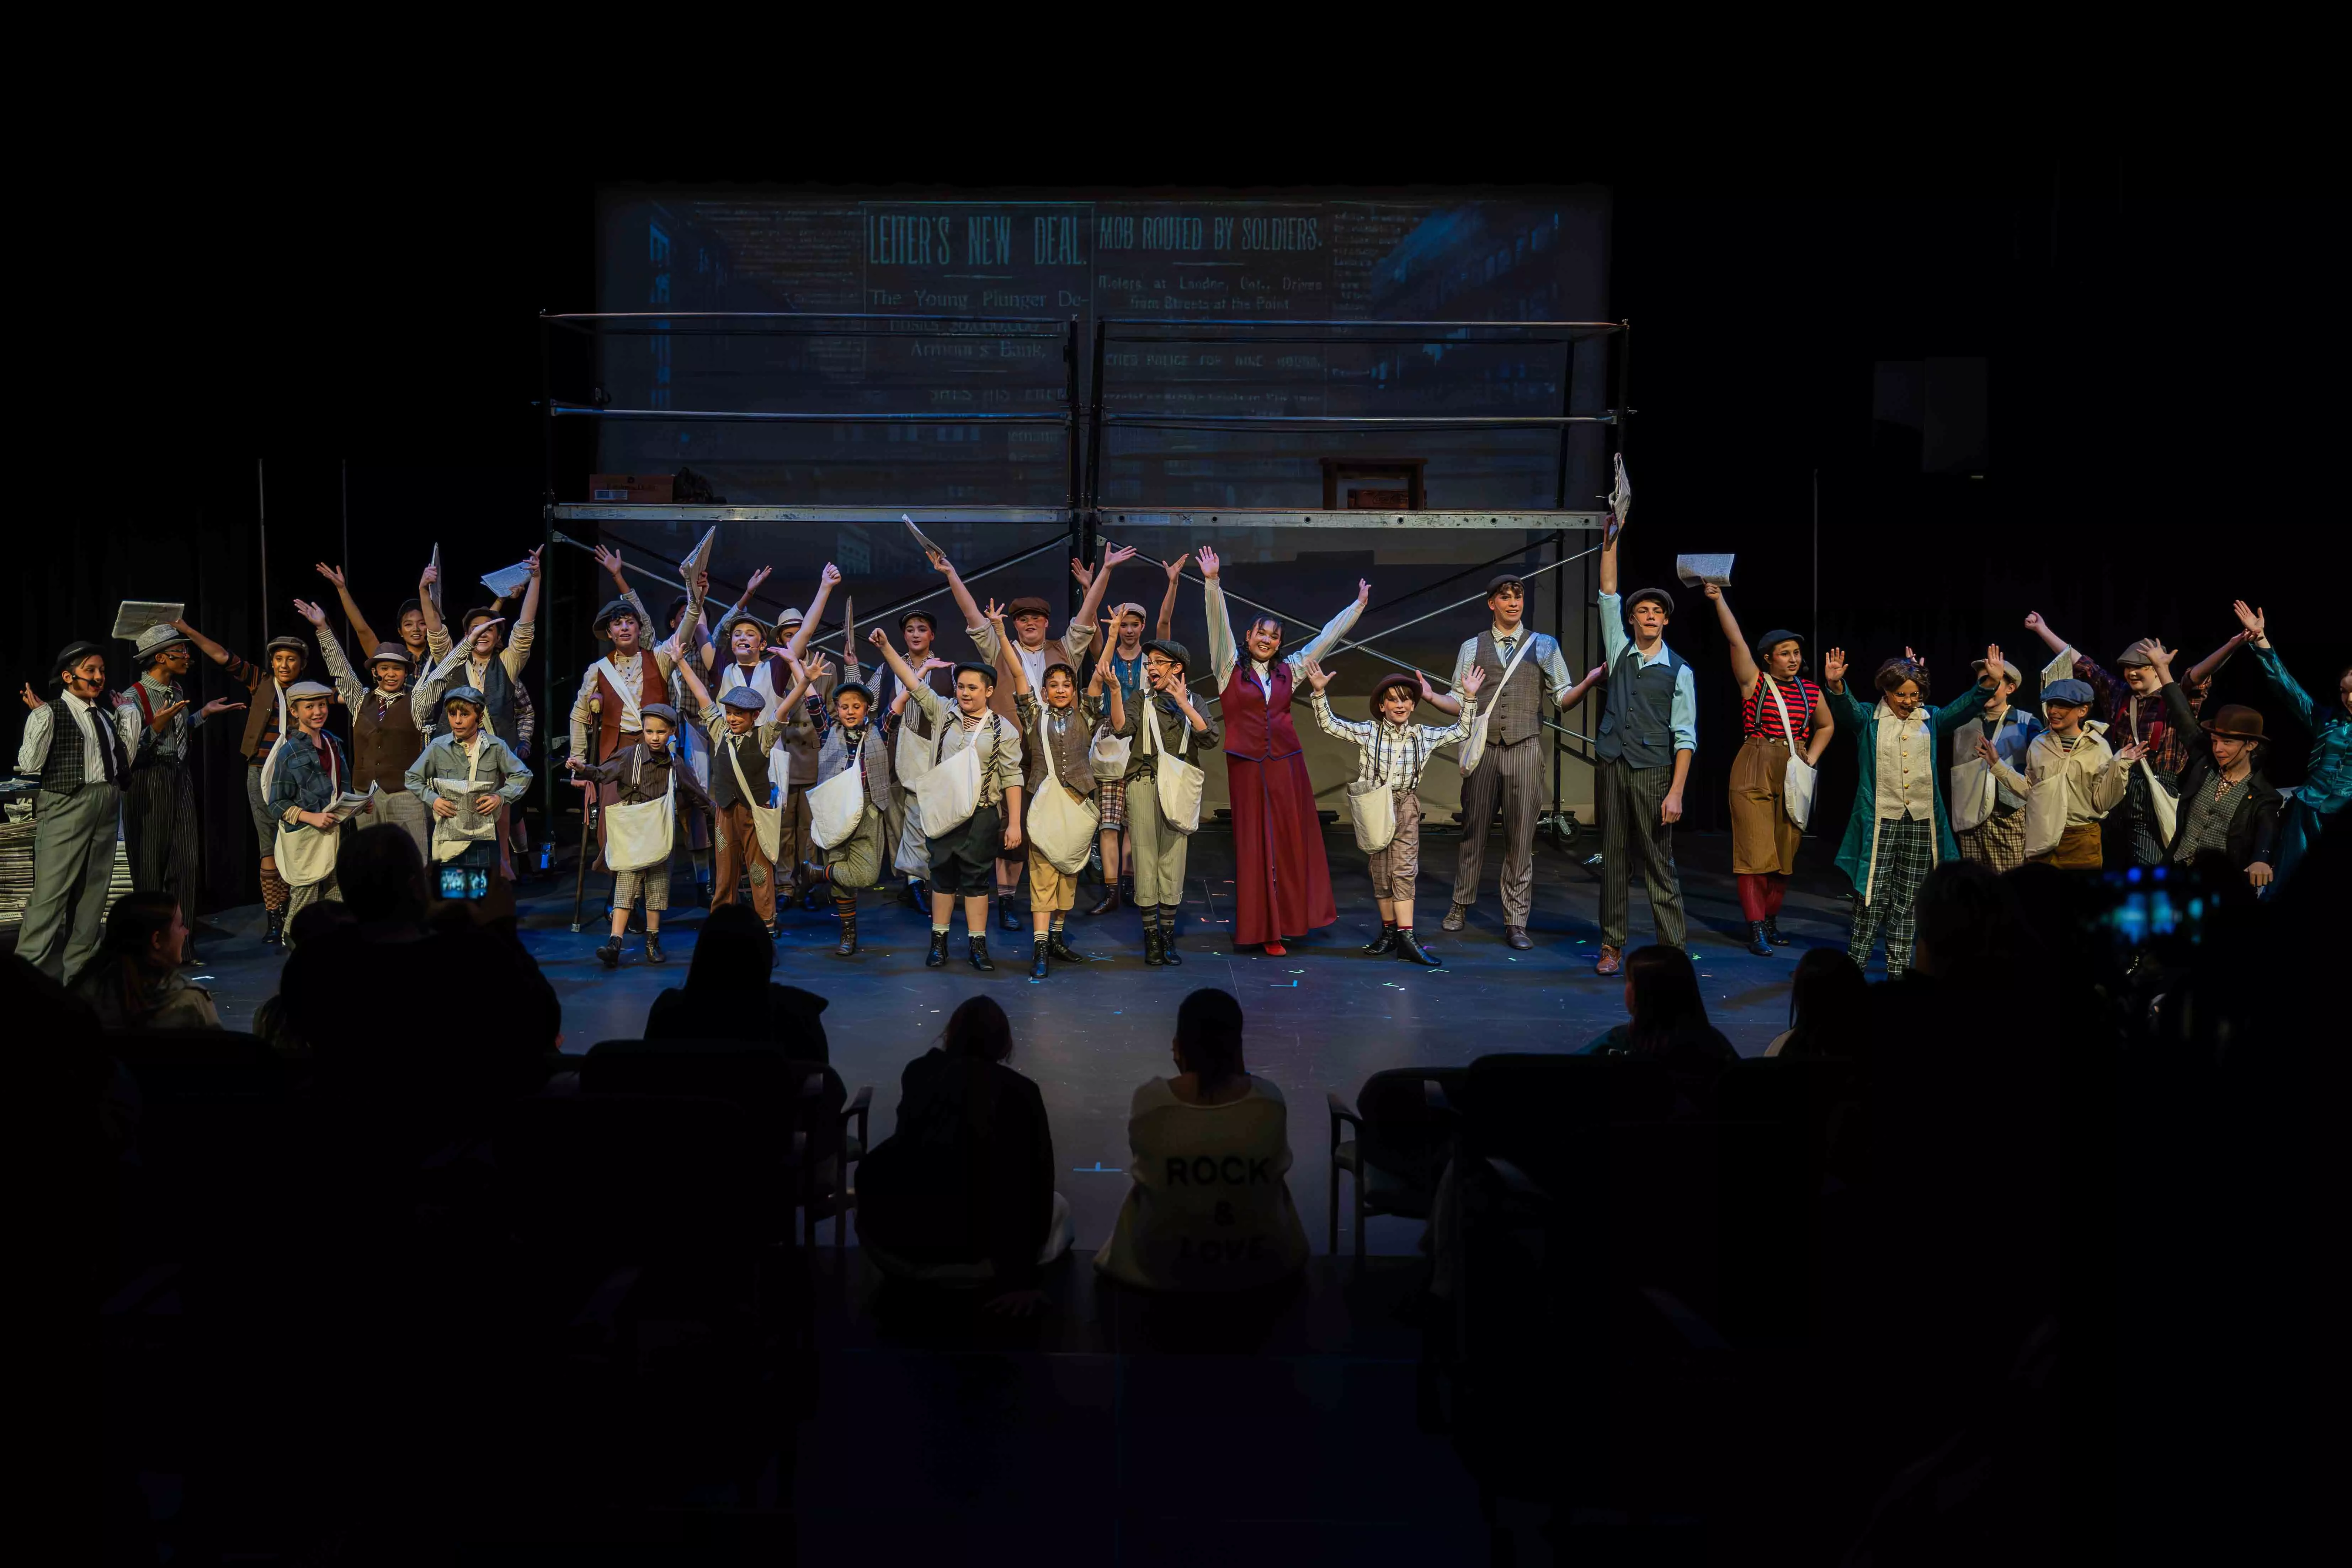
(1276,950)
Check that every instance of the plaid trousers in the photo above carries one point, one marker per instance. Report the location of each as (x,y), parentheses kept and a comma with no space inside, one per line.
(1903,855)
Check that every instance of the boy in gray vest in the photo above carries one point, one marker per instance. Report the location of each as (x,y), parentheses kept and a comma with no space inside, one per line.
(79,748)
(1511,764)
(1648,732)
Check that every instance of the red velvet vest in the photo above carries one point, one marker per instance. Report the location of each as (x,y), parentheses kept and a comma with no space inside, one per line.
(1258,727)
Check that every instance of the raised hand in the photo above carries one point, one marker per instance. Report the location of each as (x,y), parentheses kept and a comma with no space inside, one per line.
(1363,593)
(331,573)
(701,584)
(1209,563)
(1996,670)
(432,575)
(942,564)
(1833,666)
(995,614)
(1911,657)
(310,613)
(31,701)
(1599,672)
(831,573)
(530,563)
(1427,694)
(2252,619)
(1315,673)
(1713,591)
(879,636)
(1471,683)
(818,668)
(218,705)
(1117,555)
(610,560)
(1176,567)
(2033,620)
(758,577)
(929,665)
(1082,572)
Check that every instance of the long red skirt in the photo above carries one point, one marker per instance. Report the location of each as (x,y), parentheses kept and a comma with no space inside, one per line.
(1282,883)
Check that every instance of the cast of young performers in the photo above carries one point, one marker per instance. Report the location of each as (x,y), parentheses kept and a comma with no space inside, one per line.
(1508,768)
(646,776)
(970,808)
(389,727)
(2133,707)
(1035,651)
(1782,716)
(746,819)
(79,748)
(1282,880)
(308,776)
(1059,784)
(1648,732)
(1392,751)
(2327,776)
(266,722)
(1988,815)
(159,802)
(1167,726)
(1898,830)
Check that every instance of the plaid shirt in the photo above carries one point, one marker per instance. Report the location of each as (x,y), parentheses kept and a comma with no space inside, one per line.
(2134,716)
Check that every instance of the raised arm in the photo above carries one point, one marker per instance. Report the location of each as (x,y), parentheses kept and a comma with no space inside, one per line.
(1337,626)
(1008,669)
(1114,699)
(205,644)
(2204,669)
(360,627)
(436,636)
(338,668)
(2048,634)
(1082,624)
(973,621)
(1609,532)
(909,681)
(1223,653)
(1743,662)
(798,646)
(516,652)
(1167,625)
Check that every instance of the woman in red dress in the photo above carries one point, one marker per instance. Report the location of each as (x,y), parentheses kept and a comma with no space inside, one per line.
(1282,883)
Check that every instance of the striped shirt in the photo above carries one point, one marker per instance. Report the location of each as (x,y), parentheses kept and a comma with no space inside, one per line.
(1760,720)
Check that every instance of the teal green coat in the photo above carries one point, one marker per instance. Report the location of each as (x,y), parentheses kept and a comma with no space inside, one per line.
(1855,719)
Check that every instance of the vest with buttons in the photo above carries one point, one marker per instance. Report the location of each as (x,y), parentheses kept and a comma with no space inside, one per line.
(1638,725)
(497,700)
(724,791)
(383,747)
(1257,725)
(70,765)
(1516,713)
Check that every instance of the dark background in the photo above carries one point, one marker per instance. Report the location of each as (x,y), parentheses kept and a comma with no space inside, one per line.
(2159,345)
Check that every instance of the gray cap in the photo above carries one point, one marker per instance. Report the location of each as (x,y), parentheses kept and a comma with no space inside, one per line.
(741,697)
(154,640)
(307,689)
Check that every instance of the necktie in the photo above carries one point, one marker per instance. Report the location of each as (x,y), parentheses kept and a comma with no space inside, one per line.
(110,746)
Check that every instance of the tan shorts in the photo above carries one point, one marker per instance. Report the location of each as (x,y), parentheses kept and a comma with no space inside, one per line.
(1395,867)
(1049,889)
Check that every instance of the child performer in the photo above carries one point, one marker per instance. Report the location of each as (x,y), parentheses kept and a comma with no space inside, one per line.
(1166,721)
(1392,750)
(408,620)
(389,727)
(1990,823)
(309,777)
(265,724)
(1282,880)
(1065,727)
(963,854)
(742,778)
(1898,831)
(644,770)
(911,732)
(495,779)
(1117,850)
(851,742)
(1782,715)
(2070,766)
(159,801)
(2327,783)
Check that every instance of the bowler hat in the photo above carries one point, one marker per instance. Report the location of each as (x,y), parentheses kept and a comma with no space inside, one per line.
(1410,683)
(741,618)
(1118,613)
(2235,721)
(154,640)
(72,654)
(986,671)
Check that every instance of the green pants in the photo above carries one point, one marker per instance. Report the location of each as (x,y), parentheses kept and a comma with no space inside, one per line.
(1158,849)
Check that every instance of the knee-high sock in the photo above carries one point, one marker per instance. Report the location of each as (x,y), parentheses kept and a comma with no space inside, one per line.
(275,892)
(1754,900)
(1776,887)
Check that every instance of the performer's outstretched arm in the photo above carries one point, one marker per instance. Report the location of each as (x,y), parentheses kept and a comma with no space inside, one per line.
(1224,654)
(798,646)
(1743,660)
(360,627)
(1168,601)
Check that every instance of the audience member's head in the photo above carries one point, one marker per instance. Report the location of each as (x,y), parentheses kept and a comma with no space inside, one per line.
(1662,994)
(144,930)
(382,876)
(1827,1001)
(733,952)
(317,921)
(1209,1039)
(978,1029)
(1969,924)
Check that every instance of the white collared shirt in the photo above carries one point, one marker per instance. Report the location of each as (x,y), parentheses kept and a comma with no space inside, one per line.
(1906,764)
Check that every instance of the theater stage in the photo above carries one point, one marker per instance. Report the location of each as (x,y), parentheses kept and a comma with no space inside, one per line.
(1324,1018)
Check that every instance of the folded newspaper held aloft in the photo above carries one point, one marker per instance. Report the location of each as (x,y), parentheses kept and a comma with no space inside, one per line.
(1621,494)
(698,558)
(921,542)
(135,615)
(435,590)
(507,581)
(348,805)
(1696,569)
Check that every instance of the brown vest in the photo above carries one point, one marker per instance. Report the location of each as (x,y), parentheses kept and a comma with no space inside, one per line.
(651,687)
(1071,761)
(383,749)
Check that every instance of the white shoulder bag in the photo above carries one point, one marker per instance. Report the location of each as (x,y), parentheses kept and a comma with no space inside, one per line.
(1798,779)
(949,793)
(767,821)
(1062,828)
(1474,746)
(836,806)
(638,837)
(1178,782)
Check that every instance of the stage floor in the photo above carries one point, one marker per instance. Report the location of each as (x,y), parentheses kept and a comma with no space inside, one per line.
(1325,1018)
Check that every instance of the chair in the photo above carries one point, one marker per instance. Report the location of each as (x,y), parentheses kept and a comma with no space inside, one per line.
(786,1097)
(1404,1124)
(1518,1106)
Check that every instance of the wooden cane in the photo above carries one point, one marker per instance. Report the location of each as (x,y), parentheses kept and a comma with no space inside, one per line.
(587,811)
